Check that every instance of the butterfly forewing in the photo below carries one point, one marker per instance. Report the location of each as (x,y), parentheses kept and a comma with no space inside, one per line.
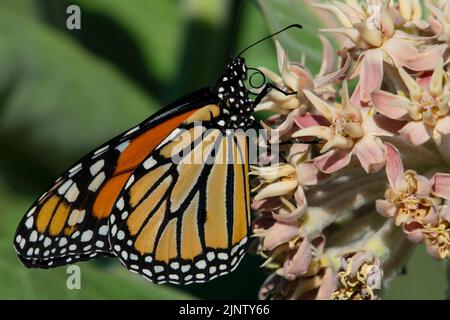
(69,222)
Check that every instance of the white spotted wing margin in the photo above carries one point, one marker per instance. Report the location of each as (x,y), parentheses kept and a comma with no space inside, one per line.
(148,256)
(60,227)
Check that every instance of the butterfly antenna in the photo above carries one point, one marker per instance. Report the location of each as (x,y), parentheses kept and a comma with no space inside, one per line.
(295,25)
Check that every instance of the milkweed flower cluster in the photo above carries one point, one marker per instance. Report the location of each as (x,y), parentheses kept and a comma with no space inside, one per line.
(337,219)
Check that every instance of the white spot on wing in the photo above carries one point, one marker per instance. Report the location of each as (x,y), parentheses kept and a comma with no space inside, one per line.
(210,256)
(132,130)
(32,210)
(33,236)
(129,182)
(170,137)
(96,167)
(63,189)
(29,222)
(75,169)
(87,235)
(222,256)
(147,272)
(72,193)
(97,182)
(123,146)
(201,264)
(75,217)
(149,163)
(120,204)
(62,242)
(159,269)
(100,151)
(47,242)
(103,230)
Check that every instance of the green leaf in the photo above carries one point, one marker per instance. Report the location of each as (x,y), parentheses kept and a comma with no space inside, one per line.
(100,279)
(155,26)
(57,101)
(25,7)
(281,13)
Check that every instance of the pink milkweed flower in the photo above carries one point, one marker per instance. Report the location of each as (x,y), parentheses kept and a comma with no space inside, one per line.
(440,20)
(426,105)
(371,32)
(299,272)
(315,190)
(349,130)
(317,286)
(295,78)
(408,14)
(359,278)
(416,203)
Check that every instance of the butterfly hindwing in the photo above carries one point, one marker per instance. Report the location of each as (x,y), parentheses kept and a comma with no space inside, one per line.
(184,215)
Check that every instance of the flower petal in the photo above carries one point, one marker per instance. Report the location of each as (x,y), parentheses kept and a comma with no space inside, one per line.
(385,208)
(310,120)
(327,286)
(333,160)
(371,73)
(444,212)
(298,263)
(324,108)
(416,132)
(441,185)
(277,189)
(391,105)
(425,60)
(355,99)
(328,56)
(266,205)
(326,79)
(443,125)
(370,154)
(399,51)
(423,186)
(315,131)
(394,168)
(413,231)
(380,125)
(437,79)
(279,233)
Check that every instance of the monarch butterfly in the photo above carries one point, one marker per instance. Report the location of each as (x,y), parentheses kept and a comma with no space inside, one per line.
(176,222)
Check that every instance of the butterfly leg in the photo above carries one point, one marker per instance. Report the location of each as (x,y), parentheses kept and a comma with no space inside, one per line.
(267,87)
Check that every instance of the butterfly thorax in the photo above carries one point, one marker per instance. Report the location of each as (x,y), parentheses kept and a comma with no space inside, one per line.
(234,102)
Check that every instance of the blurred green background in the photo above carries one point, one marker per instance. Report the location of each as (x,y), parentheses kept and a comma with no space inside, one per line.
(63,92)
